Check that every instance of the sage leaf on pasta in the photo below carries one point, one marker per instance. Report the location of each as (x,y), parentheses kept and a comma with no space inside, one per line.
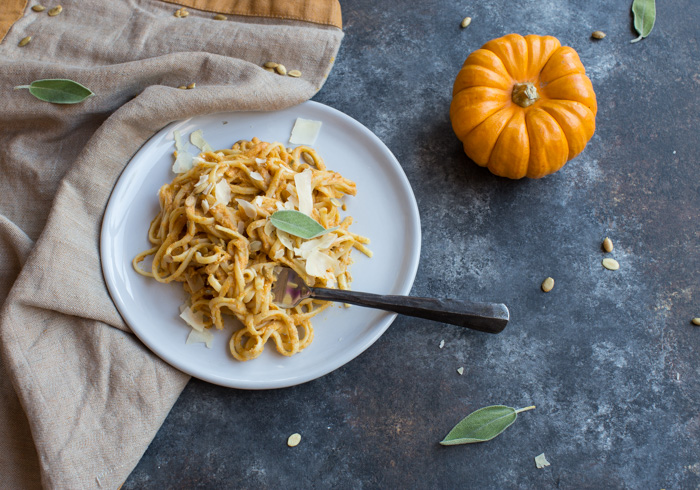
(482,425)
(298,224)
(644,12)
(58,91)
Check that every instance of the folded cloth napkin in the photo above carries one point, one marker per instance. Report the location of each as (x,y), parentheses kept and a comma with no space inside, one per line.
(80,397)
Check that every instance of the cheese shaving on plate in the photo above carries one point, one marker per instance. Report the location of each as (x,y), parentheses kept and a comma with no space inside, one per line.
(304,191)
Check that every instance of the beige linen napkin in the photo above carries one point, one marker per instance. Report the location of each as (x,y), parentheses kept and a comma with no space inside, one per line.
(80,397)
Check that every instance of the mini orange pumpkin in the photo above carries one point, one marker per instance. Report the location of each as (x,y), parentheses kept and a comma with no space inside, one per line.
(523,106)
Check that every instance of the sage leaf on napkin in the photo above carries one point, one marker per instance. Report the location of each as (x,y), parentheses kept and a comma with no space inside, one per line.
(482,425)
(644,12)
(298,224)
(58,91)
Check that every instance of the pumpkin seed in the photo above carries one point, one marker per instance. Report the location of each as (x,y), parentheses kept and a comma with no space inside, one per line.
(611,264)
(608,245)
(547,284)
(38,8)
(293,440)
(25,41)
(294,73)
(269,69)
(183,87)
(307,158)
(220,17)
(466,21)
(270,64)
(192,85)
(55,11)
(281,69)
(598,35)
(696,321)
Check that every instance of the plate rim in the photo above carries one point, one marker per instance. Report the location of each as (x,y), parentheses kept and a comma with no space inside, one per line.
(380,326)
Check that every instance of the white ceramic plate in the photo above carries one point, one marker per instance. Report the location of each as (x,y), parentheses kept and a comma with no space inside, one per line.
(384,210)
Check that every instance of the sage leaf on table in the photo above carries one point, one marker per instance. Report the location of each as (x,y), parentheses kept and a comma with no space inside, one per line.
(482,425)
(644,12)
(58,91)
(298,224)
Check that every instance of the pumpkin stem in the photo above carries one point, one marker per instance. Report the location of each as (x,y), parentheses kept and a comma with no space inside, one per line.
(524,94)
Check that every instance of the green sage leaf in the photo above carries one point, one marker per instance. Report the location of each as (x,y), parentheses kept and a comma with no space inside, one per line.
(58,91)
(298,224)
(482,425)
(644,17)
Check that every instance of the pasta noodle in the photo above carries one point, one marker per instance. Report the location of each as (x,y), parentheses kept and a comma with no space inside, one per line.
(213,235)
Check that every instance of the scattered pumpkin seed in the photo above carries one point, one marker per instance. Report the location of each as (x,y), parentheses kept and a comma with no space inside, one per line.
(24,41)
(294,73)
(181,12)
(270,69)
(307,158)
(183,87)
(270,64)
(598,35)
(38,8)
(220,17)
(608,245)
(281,69)
(466,21)
(192,85)
(55,11)
(294,439)
(611,264)
(547,284)
(696,321)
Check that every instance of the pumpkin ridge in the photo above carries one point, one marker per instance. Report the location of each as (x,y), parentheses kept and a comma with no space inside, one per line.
(543,167)
(500,131)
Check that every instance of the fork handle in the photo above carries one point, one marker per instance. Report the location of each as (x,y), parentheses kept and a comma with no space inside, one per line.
(485,317)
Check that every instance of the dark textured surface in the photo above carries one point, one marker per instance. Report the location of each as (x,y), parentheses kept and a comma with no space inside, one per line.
(610,358)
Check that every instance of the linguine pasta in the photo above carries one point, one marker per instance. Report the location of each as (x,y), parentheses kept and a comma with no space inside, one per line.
(213,235)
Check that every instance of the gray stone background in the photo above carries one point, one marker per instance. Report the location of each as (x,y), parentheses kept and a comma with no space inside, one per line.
(610,359)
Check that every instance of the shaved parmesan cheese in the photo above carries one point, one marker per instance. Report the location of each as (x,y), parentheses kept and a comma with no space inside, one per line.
(317,244)
(205,205)
(541,461)
(292,203)
(256,176)
(193,319)
(258,201)
(255,246)
(183,162)
(197,139)
(336,202)
(285,239)
(240,226)
(184,306)
(222,192)
(279,206)
(202,183)
(248,208)
(279,254)
(195,282)
(304,191)
(318,263)
(203,337)
(305,132)
(260,160)
(268,228)
(196,160)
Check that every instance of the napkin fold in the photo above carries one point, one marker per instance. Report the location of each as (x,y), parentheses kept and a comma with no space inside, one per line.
(80,397)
